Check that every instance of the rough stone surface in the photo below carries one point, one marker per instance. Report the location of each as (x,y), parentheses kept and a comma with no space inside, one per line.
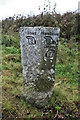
(38,52)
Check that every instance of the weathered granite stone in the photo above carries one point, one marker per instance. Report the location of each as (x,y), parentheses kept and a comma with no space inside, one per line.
(38,52)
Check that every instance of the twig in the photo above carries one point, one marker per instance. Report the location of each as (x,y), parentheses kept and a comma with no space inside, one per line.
(56,114)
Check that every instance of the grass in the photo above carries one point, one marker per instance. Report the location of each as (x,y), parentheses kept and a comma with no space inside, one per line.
(64,101)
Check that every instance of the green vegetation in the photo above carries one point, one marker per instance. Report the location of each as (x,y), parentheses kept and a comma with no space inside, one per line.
(64,102)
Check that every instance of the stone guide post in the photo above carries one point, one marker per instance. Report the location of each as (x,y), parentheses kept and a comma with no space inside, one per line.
(38,52)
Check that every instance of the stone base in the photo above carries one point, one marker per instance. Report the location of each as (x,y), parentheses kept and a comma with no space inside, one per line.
(38,99)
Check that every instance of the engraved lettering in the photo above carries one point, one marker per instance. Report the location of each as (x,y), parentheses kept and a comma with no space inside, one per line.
(49,41)
(31,40)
